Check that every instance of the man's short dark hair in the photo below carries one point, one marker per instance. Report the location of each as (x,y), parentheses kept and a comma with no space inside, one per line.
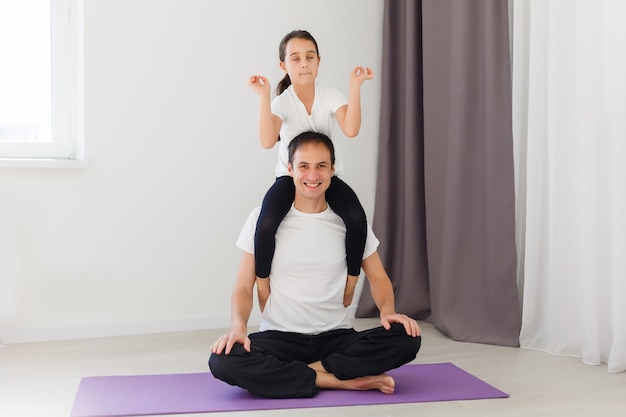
(311,137)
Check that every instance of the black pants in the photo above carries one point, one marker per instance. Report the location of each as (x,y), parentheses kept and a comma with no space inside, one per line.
(276,366)
(277,202)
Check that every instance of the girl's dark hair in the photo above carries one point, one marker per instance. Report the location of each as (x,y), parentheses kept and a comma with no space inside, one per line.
(311,137)
(300,34)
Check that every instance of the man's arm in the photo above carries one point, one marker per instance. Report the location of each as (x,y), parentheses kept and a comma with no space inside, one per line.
(263,291)
(240,308)
(382,293)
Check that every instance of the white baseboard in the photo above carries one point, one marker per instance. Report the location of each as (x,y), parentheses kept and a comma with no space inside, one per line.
(11,334)
(27,334)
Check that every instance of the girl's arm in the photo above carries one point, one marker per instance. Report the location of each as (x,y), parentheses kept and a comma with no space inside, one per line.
(349,116)
(269,124)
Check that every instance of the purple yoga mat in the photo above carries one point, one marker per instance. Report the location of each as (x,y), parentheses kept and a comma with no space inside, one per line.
(140,395)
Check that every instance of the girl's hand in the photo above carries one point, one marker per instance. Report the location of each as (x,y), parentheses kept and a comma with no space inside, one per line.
(360,74)
(259,84)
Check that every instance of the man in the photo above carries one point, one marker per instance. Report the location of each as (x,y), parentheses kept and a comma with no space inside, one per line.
(306,341)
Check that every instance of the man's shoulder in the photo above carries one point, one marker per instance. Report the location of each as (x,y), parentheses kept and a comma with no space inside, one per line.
(255,211)
(245,240)
(253,214)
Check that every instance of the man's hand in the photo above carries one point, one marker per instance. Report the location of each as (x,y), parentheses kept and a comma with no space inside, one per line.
(410,325)
(225,343)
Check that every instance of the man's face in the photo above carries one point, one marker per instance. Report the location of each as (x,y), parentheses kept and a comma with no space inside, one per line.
(311,170)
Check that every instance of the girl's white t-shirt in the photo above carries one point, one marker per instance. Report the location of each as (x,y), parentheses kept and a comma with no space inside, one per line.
(309,270)
(296,120)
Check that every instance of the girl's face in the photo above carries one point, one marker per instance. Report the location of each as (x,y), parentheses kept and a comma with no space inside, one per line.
(301,61)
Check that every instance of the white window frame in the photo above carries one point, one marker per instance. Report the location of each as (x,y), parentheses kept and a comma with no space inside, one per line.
(67,93)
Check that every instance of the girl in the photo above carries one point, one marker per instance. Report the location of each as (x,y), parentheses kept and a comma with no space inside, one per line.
(301,105)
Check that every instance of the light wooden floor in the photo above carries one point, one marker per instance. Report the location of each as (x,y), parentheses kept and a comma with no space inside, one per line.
(40,379)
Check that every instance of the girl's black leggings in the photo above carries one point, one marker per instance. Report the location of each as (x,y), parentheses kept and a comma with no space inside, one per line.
(277,202)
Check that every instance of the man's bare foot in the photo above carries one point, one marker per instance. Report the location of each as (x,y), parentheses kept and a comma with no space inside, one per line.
(383,382)
(317,367)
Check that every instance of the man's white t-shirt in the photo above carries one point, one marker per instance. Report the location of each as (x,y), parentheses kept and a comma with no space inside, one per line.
(295,120)
(309,271)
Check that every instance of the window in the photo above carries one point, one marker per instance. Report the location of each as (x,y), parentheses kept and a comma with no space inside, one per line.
(41,79)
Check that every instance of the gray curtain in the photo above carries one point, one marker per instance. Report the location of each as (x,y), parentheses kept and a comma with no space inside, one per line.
(445,203)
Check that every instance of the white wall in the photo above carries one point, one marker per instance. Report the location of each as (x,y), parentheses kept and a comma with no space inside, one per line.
(143,239)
